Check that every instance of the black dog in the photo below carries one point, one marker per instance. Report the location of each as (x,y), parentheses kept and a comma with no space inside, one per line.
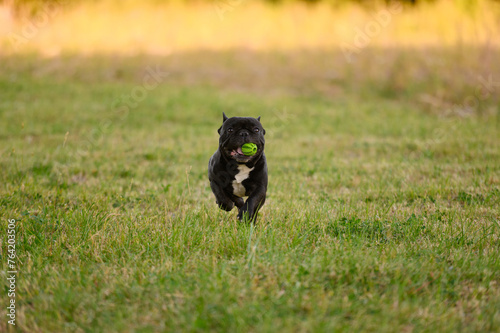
(234,175)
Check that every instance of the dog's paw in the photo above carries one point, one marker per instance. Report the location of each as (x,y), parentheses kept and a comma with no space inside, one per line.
(227,206)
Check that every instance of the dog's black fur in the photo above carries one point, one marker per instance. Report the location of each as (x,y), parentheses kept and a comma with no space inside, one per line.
(228,162)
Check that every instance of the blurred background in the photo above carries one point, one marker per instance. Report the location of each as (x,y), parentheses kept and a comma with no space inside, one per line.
(163,27)
(429,51)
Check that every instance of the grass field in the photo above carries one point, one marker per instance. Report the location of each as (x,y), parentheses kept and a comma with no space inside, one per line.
(382,212)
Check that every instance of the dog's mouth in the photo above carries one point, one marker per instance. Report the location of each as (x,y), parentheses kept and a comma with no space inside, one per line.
(239,156)
(237,152)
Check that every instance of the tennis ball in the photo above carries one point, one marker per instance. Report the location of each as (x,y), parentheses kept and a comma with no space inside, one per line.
(249,149)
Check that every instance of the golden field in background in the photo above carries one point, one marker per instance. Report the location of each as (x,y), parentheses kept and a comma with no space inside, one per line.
(133,27)
(436,56)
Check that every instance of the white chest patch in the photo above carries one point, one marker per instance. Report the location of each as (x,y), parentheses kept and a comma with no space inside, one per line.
(238,188)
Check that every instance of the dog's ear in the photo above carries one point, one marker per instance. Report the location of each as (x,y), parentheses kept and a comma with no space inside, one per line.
(263,130)
(224,118)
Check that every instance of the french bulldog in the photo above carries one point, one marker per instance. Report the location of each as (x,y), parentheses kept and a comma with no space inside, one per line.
(234,175)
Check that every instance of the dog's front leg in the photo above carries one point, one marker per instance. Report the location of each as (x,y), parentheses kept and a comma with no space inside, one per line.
(222,200)
(248,212)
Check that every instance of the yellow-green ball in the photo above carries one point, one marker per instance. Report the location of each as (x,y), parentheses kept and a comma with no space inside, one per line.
(249,149)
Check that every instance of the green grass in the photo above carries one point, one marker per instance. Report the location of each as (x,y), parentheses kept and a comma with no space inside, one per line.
(382,213)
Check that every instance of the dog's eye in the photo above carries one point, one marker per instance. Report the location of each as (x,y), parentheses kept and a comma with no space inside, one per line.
(230,130)
(256,130)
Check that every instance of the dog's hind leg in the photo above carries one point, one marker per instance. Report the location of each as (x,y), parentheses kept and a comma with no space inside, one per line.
(239,202)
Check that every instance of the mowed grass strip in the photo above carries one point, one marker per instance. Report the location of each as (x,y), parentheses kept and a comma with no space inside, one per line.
(375,221)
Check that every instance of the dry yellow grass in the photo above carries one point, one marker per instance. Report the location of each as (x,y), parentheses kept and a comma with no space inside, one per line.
(131,27)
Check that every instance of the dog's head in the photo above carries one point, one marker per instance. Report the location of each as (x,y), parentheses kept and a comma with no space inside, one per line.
(237,131)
